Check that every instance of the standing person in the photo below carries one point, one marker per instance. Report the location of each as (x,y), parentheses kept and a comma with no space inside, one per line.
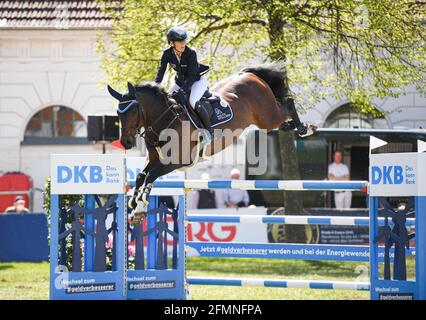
(339,171)
(190,80)
(235,198)
(18,206)
(205,198)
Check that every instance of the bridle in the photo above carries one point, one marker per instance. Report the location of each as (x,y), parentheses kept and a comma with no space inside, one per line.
(130,104)
(149,129)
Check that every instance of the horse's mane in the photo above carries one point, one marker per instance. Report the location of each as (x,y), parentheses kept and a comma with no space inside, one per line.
(274,75)
(154,89)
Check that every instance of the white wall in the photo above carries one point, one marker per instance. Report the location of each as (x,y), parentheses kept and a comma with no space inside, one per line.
(39,68)
(43,68)
(407,111)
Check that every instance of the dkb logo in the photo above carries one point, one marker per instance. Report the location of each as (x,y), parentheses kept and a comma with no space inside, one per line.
(387,175)
(80,174)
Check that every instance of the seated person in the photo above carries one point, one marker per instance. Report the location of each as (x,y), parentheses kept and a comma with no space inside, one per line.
(18,206)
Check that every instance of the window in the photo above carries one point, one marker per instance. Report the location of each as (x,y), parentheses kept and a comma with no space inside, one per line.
(347,116)
(56,124)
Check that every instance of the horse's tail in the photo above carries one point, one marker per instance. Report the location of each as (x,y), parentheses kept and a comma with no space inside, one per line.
(274,75)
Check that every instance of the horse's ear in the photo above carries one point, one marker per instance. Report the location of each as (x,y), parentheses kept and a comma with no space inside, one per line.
(114,93)
(132,90)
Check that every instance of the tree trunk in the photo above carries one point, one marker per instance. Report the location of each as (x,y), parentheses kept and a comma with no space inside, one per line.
(293,202)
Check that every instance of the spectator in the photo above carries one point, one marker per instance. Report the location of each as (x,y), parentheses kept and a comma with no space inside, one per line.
(18,206)
(168,201)
(204,199)
(235,198)
(339,171)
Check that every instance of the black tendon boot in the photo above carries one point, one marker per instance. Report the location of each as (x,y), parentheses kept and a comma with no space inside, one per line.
(205,119)
(303,130)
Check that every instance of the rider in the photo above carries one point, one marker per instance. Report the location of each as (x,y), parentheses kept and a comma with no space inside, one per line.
(190,79)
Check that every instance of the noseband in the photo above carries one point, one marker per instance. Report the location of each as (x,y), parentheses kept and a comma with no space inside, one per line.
(124,107)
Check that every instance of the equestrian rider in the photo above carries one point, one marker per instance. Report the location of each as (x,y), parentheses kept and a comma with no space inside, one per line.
(190,79)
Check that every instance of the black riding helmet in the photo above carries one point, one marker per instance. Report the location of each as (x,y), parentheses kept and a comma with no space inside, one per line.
(176,34)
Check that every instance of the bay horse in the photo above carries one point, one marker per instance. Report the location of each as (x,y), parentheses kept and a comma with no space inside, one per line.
(256,94)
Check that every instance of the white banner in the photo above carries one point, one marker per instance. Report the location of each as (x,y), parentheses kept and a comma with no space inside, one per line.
(220,232)
(226,232)
(135,165)
(398,174)
(87,173)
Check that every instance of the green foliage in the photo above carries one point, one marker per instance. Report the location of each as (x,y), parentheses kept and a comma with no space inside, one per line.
(359,49)
(65,200)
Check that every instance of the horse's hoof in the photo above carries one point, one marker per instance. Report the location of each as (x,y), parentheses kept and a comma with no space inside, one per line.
(144,199)
(139,197)
(137,218)
(309,130)
(132,202)
(312,129)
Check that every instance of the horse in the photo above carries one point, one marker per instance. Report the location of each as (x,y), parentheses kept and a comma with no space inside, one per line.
(258,96)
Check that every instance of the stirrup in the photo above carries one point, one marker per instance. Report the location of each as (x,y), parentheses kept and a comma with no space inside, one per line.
(178,108)
(207,136)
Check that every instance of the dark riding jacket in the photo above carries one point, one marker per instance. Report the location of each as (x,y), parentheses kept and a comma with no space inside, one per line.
(188,70)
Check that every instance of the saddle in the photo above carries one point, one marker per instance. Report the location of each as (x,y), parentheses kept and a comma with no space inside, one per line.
(219,110)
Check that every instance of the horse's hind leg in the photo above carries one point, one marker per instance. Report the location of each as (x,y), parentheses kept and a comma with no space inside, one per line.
(303,130)
(291,108)
(288,126)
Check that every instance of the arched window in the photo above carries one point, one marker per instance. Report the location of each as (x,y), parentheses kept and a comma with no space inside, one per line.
(56,124)
(347,116)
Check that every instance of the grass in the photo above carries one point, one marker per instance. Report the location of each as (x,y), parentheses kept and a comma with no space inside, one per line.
(274,269)
(28,281)
(31,280)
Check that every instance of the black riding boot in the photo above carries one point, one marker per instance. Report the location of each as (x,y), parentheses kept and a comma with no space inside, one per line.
(205,118)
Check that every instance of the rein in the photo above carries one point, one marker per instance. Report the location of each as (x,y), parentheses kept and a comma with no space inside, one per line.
(150,129)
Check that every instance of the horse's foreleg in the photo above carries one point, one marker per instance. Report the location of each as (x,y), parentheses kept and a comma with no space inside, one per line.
(153,159)
(140,180)
(157,171)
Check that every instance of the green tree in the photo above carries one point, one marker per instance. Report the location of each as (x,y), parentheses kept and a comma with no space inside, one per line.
(358,49)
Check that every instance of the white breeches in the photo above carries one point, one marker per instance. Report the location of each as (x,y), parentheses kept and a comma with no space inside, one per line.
(343,199)
(197,90)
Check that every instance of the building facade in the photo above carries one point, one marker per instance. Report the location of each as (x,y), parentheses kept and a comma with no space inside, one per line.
(49,84)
